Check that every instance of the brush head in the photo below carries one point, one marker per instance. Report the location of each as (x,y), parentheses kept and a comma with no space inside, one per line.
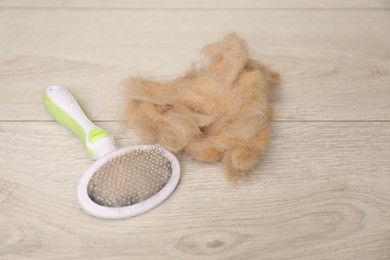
(128,182)
(130,178)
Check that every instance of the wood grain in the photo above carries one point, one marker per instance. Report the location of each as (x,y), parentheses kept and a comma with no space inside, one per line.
(341,73)
(320,193)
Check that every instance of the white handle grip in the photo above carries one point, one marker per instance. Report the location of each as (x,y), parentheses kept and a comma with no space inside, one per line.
(63,107)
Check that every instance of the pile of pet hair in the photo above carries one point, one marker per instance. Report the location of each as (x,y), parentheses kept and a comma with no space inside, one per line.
(220,111)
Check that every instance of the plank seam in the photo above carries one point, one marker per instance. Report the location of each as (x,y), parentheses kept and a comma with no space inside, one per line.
(194,8)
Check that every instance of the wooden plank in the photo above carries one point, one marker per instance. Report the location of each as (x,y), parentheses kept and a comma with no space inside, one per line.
(335,64)
(187,4)
(322,192)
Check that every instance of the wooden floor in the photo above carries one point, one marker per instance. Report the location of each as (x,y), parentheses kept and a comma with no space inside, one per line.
(322,191)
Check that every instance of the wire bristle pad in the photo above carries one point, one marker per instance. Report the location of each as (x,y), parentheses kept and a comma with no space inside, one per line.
(130,178)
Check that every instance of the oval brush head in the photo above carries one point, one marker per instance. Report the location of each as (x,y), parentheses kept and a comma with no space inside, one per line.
(128,182)
(130,178)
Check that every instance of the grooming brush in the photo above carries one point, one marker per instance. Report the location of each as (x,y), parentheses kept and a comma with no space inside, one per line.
(123,182)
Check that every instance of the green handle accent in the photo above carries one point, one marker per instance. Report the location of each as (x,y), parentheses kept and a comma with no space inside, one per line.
(66,120)
(63,107)
(97,134)
(63,118)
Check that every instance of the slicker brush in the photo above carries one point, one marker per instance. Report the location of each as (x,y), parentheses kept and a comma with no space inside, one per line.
(123,182)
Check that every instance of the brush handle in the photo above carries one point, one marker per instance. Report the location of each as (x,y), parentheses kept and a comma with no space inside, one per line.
(63,107)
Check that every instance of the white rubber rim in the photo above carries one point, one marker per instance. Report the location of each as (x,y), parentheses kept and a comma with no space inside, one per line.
(99,211)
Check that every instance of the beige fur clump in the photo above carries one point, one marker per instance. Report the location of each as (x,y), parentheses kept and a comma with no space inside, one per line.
(218,112)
